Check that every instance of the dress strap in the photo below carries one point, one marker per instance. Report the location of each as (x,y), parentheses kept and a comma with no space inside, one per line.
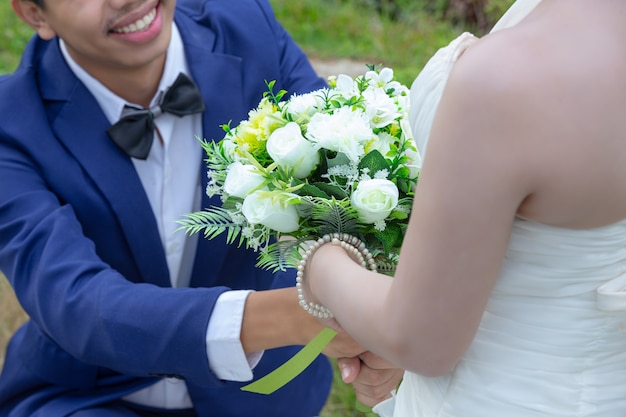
(519,10)
(427,89)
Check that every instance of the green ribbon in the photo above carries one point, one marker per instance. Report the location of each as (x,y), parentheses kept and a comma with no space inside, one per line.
(294,366)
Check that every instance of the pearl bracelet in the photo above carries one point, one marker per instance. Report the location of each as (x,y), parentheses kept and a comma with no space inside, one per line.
(357,251)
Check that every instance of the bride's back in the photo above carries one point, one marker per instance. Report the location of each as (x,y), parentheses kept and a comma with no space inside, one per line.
(560,81)
(530,121)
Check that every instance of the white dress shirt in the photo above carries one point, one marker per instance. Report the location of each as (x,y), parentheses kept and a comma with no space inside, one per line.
(171,178)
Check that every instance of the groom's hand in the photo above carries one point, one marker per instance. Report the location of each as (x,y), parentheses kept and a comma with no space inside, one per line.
(372,377)
(343,346)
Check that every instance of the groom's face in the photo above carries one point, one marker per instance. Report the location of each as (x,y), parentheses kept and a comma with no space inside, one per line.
(104,35)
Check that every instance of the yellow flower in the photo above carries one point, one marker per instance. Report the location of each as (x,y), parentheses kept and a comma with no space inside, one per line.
(251,134)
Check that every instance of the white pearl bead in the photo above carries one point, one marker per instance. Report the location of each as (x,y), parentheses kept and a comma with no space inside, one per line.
(352,245)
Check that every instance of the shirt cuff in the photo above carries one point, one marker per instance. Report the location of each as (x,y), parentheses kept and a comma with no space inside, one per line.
(227,359)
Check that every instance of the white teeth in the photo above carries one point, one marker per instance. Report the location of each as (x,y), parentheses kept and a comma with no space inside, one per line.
(139,25)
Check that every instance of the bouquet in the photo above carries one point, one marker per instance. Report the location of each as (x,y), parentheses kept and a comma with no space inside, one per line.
(337,160)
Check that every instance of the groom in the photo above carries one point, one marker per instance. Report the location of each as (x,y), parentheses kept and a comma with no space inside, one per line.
(130,317)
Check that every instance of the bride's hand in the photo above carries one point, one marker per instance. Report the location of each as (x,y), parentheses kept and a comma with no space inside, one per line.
(372,377)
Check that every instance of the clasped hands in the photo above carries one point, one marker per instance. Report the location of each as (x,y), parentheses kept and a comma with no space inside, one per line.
(372,377)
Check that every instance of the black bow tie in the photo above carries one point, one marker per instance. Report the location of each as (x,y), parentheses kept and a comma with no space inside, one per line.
(134,132)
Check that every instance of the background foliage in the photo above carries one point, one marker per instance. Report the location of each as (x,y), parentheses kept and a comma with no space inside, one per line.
(401,34)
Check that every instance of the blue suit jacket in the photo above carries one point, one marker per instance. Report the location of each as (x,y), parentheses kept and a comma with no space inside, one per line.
(80,245)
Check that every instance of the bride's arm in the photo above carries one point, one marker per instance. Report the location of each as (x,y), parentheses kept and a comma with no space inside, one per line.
(476,174)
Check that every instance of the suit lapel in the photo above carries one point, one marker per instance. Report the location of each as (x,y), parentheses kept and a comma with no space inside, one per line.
(80,125)
(219,78)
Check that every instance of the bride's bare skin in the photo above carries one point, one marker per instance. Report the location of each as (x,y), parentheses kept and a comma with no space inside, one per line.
(531,124)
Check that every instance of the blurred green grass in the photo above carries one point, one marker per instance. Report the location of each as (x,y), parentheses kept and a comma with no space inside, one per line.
(11,315)
(13,36)
(328,29)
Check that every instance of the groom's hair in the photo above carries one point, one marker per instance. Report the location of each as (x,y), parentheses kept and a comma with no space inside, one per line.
(38,3)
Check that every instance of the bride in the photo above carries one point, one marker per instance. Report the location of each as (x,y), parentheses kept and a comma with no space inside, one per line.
(510,293)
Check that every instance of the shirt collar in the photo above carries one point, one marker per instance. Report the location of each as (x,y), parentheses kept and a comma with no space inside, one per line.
(112,104)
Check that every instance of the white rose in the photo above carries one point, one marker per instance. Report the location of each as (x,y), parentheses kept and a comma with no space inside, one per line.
(374,199)
(292,151)
(271,209)
(345,131)
(241,179)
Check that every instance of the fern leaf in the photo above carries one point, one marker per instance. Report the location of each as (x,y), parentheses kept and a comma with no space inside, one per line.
(280,255)
(333,216)
(212,222)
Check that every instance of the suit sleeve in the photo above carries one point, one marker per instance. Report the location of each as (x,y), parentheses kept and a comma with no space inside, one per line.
(296,69)
(54,232)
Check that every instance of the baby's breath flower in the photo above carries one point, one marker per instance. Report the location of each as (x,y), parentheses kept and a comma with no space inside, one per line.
(365,175)
(380,225)
(383,174)
(344,171)
(237,217)
(248,233)
(212,190)
(254,243)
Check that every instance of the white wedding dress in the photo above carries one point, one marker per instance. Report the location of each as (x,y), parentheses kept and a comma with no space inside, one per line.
(551,341)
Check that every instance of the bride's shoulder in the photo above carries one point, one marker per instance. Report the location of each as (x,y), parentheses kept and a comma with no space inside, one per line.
(506,68)
(491,71)
(497,58)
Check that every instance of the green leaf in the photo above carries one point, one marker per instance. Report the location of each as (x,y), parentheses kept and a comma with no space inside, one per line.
(312,190)
(333,159)
(331,190)
(274,97)
(391,237)
(374,161)
(399,215)
(403,172)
